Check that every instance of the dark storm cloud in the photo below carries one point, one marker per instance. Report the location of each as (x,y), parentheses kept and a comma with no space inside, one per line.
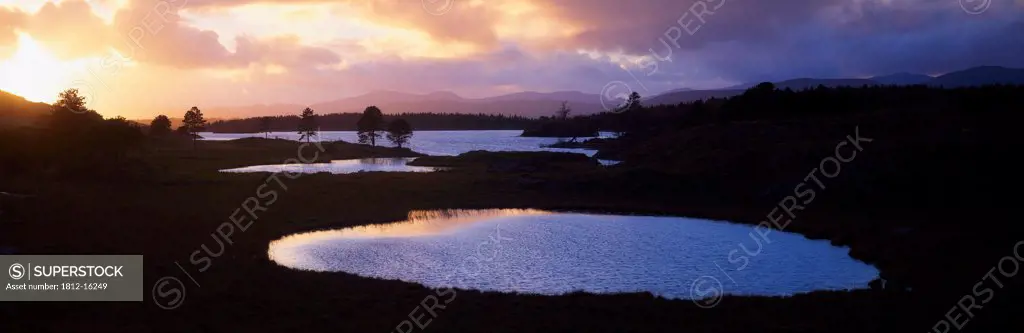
(642,25)
(747,40)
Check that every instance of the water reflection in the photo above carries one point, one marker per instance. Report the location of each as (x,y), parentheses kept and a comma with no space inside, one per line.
(439,143)
(340,166)
(542,252)
(417,223)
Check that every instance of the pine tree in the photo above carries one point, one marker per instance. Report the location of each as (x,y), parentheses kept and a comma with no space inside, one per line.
(194,123)
(307,124)
(399,132)
(370,124)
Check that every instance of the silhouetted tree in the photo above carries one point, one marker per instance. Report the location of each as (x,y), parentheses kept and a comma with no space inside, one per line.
(194,123)
(563,112)
(160,126)
(633,103)
(370,124)
(265,126)
(70,115)
(70,100)
(630,119)
(399,132)
(79,139)
(307,124)
(118,135)
(767,87)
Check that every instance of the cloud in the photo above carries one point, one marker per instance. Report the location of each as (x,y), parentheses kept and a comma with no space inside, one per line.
(747,40)
(60,28)
(483,75)
(284,51)
(152,31)
(9,20)
(876,37)
(474,23)
(463,22)
(272,53)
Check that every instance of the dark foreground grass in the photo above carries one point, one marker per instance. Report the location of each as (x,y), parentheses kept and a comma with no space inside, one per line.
(168,215)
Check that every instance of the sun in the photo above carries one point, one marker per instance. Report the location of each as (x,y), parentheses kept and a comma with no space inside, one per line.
(34,73)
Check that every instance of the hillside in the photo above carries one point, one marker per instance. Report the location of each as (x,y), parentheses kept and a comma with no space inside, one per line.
(16,111)
(526,104)
(685,96)
(980,76)
(689,96)
(808,83)
(971,77)
(902,79)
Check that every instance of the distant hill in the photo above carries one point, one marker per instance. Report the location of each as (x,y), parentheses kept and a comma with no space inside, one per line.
(805,83)
(213,113)
(902,79)
(976,76)
(741,86)
(680,90)
(573,97)
(687,96)
(536,104)
(17,111)
(175,122)
(347,122)
(526,104)
(980,76)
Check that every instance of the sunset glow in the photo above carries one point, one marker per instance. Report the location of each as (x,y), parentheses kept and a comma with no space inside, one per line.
(32,72)
(412,166)
(306,52)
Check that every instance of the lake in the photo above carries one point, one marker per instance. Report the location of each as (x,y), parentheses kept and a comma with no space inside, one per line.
(543,252)
(437,143)
(340,166)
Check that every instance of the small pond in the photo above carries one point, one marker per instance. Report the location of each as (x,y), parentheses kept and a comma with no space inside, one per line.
(543,252)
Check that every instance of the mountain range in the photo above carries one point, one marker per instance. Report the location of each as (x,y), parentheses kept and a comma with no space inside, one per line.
(975,76)
(16,110)
(536,104)
(902,79)
(528,104)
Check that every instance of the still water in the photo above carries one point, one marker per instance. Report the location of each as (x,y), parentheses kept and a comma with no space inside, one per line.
(340,166)
(436,143)
(542,252)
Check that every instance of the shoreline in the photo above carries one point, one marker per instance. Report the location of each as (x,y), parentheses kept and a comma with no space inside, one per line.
(171,215)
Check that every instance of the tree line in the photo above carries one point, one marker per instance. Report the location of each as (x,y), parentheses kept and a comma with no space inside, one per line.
(370,126)
(765,102)
(71,140)
(74,140)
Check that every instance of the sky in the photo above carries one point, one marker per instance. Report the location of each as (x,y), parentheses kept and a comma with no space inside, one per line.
(138,58)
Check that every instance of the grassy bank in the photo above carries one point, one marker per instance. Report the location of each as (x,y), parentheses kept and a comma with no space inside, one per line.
(173,210)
